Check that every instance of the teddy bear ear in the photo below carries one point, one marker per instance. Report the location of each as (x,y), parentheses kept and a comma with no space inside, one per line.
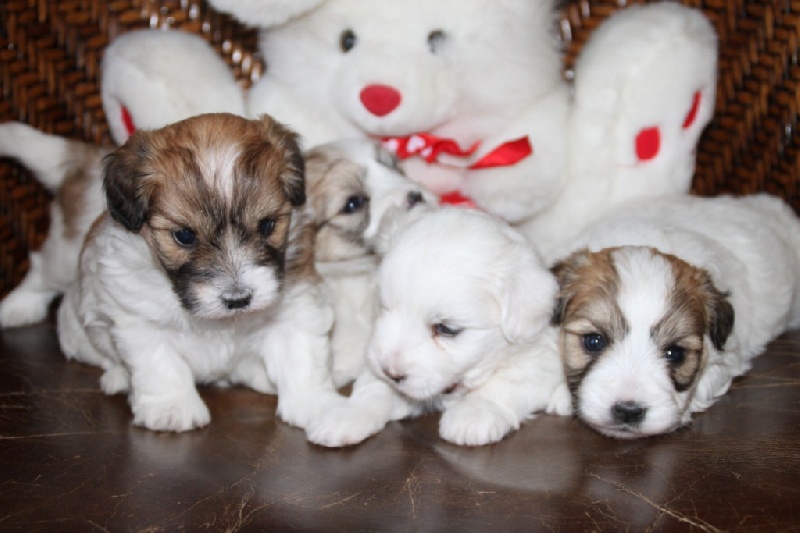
(264,13)
(645,85)
(142,87)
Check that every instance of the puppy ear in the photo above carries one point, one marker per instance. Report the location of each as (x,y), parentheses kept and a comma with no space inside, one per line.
(527,300)
(566,273)
(127,194)
(294,176)
(720,313)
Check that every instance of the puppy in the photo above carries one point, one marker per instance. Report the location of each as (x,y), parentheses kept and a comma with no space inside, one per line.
(463,302)
(669,302)
(70,170)
(354,187)
(202,271)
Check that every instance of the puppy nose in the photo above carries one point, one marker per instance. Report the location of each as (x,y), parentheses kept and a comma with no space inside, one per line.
(414,198)
(380,100)
(628,412)
(394,376)
(237,302)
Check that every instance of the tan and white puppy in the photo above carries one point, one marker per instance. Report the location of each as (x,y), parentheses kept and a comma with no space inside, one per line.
(671,300)
(70,170)
(464,301)
(202,272)
(353,187)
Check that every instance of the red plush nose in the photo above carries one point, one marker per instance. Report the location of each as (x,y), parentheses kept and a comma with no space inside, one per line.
(380,100)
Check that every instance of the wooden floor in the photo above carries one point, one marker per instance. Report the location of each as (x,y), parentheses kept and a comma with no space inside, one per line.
(71,461)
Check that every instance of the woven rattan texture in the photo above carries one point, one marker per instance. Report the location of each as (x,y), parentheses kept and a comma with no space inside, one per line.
(50,53)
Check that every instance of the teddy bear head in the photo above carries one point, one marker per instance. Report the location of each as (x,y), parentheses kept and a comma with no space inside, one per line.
(397,68)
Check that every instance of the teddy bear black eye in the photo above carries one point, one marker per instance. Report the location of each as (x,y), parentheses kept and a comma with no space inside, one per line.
(675,355)
(185,237)
(355,204)
(347,40)
(266,226)
(594,342)
(435,40)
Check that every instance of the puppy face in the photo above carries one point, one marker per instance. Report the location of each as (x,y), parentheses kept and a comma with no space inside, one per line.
(457,288)
(352,185)
(212,196)
(636,329)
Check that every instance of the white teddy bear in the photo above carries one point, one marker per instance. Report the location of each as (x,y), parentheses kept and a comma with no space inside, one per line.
(468,93)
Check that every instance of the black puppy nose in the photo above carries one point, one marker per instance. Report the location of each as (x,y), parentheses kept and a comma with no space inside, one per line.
(239,302)
(630,413)
(414,198)
(397,378)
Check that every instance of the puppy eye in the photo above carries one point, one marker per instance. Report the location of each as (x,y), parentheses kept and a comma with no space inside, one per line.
(355,204)
(443,330)
(435,40)
(266,226)
(347,41)
(594,342)
(185,237)
(675,355)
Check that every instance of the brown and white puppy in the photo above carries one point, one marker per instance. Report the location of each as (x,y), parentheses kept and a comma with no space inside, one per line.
(671,300)
(202,272)
(70,170)
(354,187)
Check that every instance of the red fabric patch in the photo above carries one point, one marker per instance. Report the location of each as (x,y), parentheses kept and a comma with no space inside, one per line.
(426,146)
(506,154)
(692,115)
(429,147)
(127,121)
(457,199)
(648,143)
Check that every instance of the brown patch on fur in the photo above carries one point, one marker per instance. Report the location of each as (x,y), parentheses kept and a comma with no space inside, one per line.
(697,308)
(586,304)
(82,165)
(300,256)
(332,180)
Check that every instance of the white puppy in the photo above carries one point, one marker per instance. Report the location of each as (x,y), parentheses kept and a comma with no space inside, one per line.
(71,171)
(354,187)
(650,336)
(463,302)
(202,272)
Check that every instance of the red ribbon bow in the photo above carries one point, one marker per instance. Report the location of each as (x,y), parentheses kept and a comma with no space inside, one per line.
(429,147)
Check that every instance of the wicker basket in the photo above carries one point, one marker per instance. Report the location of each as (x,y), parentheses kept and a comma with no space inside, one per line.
(50,52)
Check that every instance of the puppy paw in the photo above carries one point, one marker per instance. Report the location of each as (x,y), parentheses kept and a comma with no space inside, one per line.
(300,411)
(252,372)
(171,414)
(476,422)
(344,425)
(115,380)
(21,308)
(560,402)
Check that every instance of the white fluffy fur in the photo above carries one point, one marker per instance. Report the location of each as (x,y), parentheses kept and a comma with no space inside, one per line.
(264,13)
(53,160)
(124,314)
(471,273)
(494,77)
(162,77)
(314,87)
(349,267)
(750,247)
(640,69)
